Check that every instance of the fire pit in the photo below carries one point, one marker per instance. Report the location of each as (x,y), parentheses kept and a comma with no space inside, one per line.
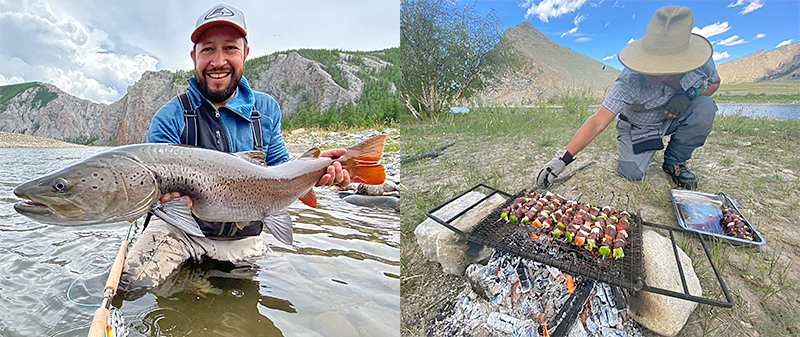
(526,298)
(530,266)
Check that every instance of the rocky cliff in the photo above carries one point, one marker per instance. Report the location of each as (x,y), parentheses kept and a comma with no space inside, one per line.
(296,81)
(779,64)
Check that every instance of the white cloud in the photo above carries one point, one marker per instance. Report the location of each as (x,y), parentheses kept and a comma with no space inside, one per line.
(570,32)
(631,40)
(610,57)
(784,43)
(551,8)
(583,39)
(40,45)
(718,56)
(712,29)
(576,21)
(751,5)
(731,41)
(578,18)
(760,36)
(737,3)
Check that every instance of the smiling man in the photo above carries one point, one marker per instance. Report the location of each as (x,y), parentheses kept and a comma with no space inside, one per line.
(219,111)
(664,90)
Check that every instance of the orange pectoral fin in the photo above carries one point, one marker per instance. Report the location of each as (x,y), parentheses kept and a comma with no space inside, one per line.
(309,198)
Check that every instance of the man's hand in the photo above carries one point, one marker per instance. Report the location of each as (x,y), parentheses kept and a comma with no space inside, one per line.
(553,168)
(335,174)
(171,195)
(676,106)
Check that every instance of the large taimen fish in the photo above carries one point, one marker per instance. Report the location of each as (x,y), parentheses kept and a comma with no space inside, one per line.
(122,184)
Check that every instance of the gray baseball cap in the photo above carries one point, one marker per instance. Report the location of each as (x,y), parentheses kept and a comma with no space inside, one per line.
(219,15)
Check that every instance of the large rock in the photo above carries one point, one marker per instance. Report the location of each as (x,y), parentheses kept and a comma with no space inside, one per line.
(453,252)
(376,201)
(662,314)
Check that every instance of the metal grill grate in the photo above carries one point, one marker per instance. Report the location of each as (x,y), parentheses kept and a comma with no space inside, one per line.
(515,238)
(627,272)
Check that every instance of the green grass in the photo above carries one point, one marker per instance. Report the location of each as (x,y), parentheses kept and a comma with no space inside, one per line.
(788,87)
(757,98)
(765,92)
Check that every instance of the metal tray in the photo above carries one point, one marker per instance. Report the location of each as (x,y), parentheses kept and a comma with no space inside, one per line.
(701,212)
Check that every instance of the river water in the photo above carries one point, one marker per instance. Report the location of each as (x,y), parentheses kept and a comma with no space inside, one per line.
(341,278)
(770,110)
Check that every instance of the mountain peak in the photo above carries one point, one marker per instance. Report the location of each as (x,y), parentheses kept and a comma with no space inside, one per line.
(547,69)
(779,64)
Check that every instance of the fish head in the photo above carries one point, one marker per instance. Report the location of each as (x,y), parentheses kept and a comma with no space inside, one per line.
(105,188)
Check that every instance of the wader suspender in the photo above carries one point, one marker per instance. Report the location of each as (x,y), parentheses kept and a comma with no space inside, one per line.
(190,117)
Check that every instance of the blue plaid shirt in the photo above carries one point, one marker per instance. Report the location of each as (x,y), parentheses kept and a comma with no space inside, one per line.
(641,101)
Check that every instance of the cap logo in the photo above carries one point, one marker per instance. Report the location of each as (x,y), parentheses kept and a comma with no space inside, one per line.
(219,12)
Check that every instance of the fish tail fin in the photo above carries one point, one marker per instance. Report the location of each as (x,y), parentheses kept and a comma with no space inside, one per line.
(361,161)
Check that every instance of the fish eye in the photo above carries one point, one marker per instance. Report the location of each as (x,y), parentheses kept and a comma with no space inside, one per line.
(59,185)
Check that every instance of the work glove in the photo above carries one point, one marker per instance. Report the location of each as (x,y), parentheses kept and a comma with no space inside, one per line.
(677,104)
(553,168)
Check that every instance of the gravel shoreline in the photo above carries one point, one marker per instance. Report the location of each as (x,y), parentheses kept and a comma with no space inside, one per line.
(18,140)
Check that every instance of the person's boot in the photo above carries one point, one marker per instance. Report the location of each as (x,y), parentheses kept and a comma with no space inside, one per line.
(681,176)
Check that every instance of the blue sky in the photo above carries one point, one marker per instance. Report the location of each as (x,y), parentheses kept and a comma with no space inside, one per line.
(601,28)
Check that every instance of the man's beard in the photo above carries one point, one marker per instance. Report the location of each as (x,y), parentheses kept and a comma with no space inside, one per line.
(218,96)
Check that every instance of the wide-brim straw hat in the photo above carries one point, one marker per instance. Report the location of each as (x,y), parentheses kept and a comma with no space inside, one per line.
(668,46)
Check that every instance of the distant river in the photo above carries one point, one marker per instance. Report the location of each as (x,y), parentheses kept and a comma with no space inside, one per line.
(770,110)
(340,278)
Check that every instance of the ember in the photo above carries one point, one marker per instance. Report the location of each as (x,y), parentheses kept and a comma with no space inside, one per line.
(570,283)
(543,328)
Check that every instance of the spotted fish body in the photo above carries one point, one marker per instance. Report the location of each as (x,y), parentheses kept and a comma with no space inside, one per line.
(123,183)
